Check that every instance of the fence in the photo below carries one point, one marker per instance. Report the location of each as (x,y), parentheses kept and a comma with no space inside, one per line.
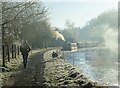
(9,52)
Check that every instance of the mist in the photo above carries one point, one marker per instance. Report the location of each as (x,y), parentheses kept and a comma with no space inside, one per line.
(110,37)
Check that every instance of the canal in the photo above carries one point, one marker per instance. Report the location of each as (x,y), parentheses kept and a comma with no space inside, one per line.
(100,65)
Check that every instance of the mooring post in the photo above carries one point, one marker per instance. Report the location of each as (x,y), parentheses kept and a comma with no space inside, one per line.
(73,59)
(8,53)
(63,56)
(3,55)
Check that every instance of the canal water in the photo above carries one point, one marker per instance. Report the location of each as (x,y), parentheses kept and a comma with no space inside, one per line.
(100,65)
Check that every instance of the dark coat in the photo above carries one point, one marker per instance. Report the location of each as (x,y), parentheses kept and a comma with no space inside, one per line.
(54,55)
(25,49)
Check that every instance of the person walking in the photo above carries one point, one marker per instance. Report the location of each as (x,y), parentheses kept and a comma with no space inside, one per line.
(25,49)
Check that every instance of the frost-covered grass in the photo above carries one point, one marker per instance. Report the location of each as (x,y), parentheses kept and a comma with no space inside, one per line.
(11,68)
(61,73)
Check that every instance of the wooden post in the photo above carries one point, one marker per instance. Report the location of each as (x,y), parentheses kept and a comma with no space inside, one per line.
(18,48)
(8,53)
(3,55)
(63,56)
(73,59)
(46,44)
(15,51)
(12,51)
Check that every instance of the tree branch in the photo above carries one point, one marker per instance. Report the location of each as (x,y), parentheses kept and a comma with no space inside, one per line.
(17,6)
(23,9)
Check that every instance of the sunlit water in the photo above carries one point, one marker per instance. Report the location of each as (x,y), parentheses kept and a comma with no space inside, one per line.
(100,65)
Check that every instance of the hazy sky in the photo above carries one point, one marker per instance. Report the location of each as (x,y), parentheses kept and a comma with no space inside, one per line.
(78,12)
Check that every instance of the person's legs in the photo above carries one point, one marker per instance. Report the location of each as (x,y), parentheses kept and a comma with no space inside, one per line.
(25,60)
(26,57)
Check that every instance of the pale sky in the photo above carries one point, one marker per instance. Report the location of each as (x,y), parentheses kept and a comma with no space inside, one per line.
(77,11)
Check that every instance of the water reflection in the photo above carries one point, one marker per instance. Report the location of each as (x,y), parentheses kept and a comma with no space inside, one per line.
(100,65)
